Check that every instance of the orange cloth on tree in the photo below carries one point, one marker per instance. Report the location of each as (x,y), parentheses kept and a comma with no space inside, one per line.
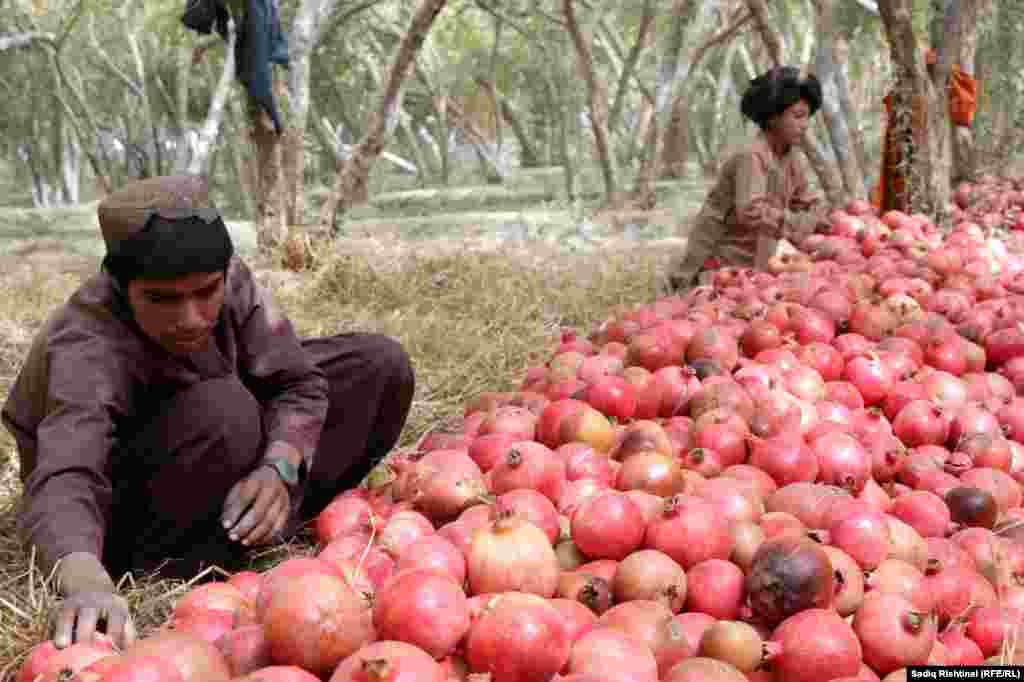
(963,97)
(890,193)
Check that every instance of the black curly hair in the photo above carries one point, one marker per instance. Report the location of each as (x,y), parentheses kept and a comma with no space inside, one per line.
(773,92)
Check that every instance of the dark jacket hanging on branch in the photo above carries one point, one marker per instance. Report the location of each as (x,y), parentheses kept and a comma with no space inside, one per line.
(261,44)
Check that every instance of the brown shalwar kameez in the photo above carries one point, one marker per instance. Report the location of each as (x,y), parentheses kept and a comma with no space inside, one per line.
(759,201)
(129,452)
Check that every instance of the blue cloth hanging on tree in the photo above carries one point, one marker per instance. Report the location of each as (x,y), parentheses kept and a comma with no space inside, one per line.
(261,43)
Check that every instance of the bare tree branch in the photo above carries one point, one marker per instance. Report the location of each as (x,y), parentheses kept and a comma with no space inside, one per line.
(869,5)
(344,17)
(672,147)
(200,161)
(769,36)
(101,163)
(304,36)
(109,62)
(669,65)
(517,26)
(165,97)
(826,70)
(720,38)
(351,185)
(77,15)
(629,65)
(15,40)
(597,98)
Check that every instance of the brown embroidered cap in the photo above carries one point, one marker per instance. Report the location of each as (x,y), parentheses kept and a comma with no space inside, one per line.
(124,213)
(163,228)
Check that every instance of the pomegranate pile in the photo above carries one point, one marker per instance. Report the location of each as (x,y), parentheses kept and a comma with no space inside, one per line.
(808,474)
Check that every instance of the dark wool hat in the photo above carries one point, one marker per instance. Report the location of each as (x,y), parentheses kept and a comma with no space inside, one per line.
(163,228)
(775,91)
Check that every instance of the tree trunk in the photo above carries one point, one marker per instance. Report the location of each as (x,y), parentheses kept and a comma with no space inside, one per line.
(237,144)
(70,165)
(848,107)
(491,84)
(828,173)
(88,139)
(962,52)
(644,194)
(494,163)
(303,37)
(271,217)
(937,27)
(57,130)
(10,41)
(155,165)
(718,130)
(40,188)
(629,65)
(561,101)
(351,186)
(675,143)
(826,70)
(655,107)
(921,112)
(708,164)
(437,139)
(424,170)
(248,175)
(597,100)
(149,159)
(487,152)
(199,164)
(428,140)
(183,150)
(527,152)
(669,73)
(444,138)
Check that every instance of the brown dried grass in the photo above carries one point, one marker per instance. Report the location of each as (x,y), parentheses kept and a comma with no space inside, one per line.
(473,316)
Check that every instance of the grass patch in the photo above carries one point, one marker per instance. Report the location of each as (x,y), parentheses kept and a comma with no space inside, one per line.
(472,320)
(505,197)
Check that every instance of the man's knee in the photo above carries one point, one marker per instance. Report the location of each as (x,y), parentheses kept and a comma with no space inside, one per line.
(381,360)
(219,415)
(392,360)
(222,406)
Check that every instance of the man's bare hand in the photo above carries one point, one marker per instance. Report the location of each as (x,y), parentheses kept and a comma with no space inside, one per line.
(79,616)
(90,600)
(257,508)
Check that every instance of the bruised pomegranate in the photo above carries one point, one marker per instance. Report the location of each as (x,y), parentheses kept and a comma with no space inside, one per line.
(789,573)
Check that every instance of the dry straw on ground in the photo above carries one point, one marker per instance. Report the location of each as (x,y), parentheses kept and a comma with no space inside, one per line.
(471,319)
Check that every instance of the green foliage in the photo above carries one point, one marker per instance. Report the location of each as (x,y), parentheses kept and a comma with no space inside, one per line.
(520,45)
